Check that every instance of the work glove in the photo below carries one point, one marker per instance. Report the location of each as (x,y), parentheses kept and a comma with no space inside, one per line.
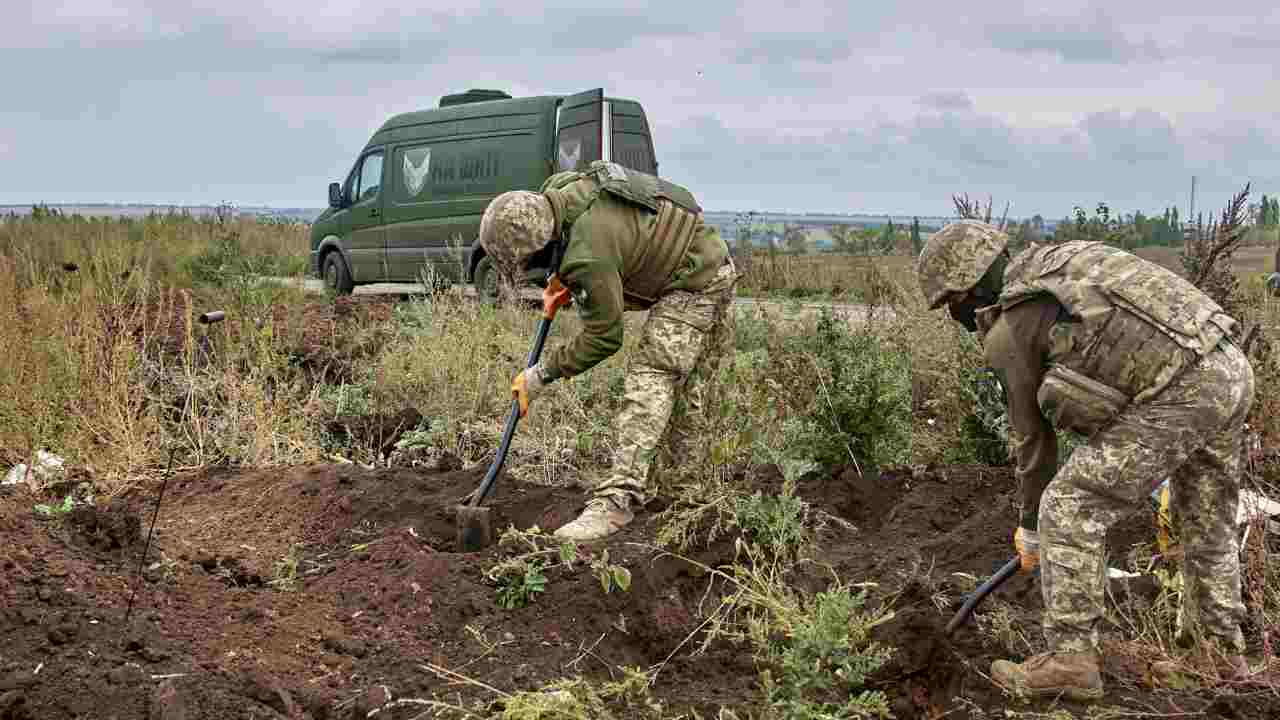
(526,386)
(554,297)
(1027,543)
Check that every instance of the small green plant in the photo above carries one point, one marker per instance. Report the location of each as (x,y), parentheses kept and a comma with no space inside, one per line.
(860,409)
(775,522)
(829,651)
(519,581)
(419,438)
(521,578)
(610,575)
(56,511)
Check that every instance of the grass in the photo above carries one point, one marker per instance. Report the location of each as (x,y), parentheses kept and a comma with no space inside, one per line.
(847,278)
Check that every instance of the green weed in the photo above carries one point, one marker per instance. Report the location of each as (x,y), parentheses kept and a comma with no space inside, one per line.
(611,576)
(519,581)
(56,511)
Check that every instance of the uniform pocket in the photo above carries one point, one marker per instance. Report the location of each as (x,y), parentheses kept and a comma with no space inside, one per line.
(1073,401)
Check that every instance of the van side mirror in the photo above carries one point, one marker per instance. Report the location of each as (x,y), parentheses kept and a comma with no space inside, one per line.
(335,195)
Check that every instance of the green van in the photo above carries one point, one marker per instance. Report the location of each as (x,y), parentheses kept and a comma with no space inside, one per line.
(409,210)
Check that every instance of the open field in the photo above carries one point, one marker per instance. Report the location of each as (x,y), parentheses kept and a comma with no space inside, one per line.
(1248,260)
(851,486)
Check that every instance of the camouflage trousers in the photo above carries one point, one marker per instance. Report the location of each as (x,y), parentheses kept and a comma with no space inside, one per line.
(1192,432)
(668,382)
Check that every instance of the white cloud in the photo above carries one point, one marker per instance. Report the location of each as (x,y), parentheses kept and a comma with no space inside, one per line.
(820,106)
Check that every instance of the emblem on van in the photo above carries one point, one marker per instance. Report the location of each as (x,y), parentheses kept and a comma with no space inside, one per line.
(415,174)
(570,153)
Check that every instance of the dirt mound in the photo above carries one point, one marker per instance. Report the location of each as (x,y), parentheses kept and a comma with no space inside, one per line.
(930,671)
(322,592)
(955,519)
(329,591)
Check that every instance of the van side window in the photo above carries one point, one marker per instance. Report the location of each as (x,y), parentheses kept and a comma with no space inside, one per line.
(370,177)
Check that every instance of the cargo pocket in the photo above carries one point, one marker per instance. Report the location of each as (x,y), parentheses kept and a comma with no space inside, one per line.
(1075,577)
(1072,401)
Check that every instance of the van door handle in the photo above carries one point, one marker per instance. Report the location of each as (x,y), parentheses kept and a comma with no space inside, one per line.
(374,212)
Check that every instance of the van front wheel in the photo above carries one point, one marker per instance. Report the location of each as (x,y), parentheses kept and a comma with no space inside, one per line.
(486,280)
(337,278)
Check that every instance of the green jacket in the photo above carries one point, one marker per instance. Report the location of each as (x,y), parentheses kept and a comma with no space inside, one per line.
(607,238)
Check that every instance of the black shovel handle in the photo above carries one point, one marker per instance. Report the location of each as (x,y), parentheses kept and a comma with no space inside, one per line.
(1009,570)
(486,487)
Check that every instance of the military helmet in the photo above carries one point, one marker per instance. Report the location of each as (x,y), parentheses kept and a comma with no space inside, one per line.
(514,226)
(956,258)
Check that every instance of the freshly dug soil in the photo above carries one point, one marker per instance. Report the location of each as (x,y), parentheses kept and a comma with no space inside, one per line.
(332,591)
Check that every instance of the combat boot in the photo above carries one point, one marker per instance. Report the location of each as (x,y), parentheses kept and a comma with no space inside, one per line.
(1073,675)
(602,518)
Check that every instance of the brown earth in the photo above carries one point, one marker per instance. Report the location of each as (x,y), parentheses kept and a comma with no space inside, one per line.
(332,591)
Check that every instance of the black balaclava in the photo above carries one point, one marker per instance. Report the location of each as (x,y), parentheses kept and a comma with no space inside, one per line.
(985,293)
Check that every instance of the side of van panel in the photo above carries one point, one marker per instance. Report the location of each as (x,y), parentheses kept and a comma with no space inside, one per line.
(411,205)
(440,184)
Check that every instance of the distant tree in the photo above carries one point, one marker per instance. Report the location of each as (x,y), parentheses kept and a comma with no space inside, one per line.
(885,243)
(917,243)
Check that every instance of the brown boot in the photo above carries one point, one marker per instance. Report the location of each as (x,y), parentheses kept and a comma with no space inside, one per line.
(603,517)
(1074,675)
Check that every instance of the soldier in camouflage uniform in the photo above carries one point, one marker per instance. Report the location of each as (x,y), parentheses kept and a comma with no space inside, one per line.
(1089,338)
(630,241)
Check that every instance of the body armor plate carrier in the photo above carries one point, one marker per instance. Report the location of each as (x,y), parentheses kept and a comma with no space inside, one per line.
(1131,327)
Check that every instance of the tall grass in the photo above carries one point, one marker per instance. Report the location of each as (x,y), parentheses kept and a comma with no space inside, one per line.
(853,278)
(104,363)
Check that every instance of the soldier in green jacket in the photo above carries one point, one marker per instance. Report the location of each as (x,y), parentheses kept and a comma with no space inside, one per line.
(1092,339)
(629,241)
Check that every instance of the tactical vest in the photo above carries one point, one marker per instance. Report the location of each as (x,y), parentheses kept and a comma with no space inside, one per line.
(677,212)
(1133,328)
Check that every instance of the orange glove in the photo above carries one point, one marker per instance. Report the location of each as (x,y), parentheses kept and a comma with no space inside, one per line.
(554,297)
(1027,542)
(527,384)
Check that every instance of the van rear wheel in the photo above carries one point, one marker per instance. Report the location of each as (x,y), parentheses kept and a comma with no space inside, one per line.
(337,278)
(485,280)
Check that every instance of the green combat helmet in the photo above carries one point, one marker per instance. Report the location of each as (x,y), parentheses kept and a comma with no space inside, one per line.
(514,226)
(956,257)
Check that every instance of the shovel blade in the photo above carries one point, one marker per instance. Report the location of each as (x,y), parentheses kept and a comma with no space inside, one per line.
(475,529)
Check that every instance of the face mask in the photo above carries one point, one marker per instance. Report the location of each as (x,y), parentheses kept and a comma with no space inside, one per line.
(965,313)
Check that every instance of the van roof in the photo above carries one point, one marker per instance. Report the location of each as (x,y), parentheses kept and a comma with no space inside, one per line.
(467,111)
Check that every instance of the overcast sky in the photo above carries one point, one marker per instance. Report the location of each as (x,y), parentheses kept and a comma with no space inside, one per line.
(787,106)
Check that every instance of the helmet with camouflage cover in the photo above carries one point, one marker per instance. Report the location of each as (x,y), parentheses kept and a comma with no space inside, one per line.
(956,258)
(514,226)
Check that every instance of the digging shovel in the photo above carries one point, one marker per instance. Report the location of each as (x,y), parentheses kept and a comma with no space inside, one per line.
(475,531)
(1009,570)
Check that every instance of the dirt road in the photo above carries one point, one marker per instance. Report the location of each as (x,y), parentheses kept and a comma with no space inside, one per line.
(785,308)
